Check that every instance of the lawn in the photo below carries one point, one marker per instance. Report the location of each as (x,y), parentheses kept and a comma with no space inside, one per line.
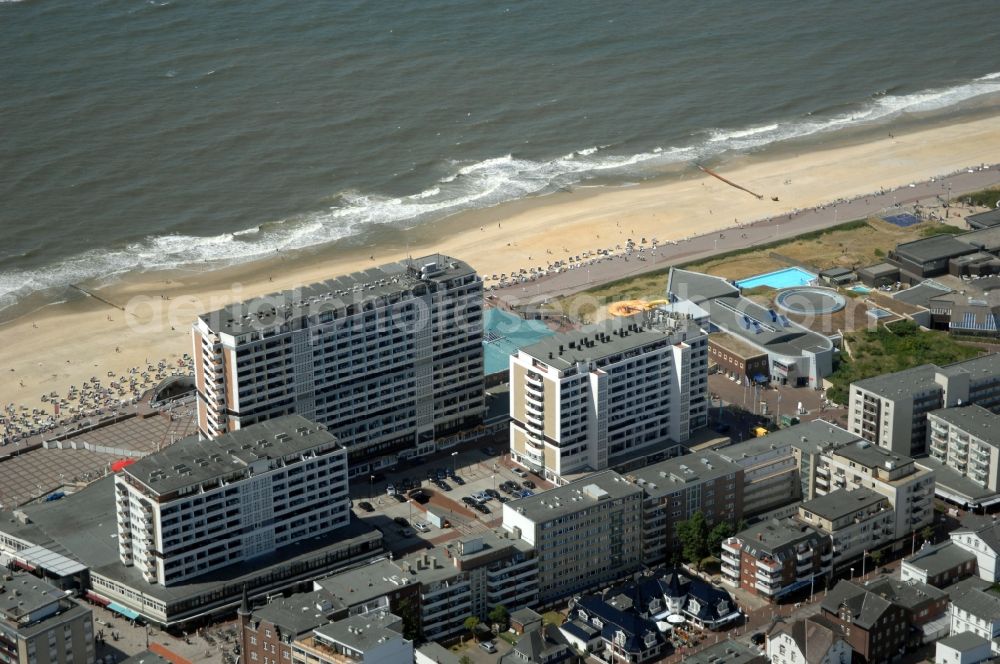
(892,348)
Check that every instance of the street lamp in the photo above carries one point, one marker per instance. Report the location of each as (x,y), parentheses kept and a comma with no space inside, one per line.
(453,462)
(852,574)
(371,487)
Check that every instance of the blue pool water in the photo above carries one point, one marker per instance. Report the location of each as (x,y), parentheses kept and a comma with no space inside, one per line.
(787,278)
(879,313)
(504,334)
(861,289)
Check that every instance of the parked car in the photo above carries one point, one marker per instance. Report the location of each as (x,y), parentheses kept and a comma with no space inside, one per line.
(444,486)
(458,480)
(421,526)
(488,646)
(520,473)
(366,506)
(469,500)
(528,484)
(419,495)
(391,490)
(482,508)
(492,493)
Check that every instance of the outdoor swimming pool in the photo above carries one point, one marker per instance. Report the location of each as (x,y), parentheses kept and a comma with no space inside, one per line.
(787,278)
(504,334)
(861,289)
(879,314)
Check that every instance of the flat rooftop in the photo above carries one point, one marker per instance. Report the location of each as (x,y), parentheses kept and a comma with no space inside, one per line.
(24,594)
(950,484)
(987,239)
(735,345)
(974,420)
(986,219)
(922,294)
(192,461)
(870,455)
(921,378)
(726,652)
(880,270)
(771,537)
(573,497)
(666,477)
(939,558)
(812,437)
(841,502)
(936,247)
(361,632)
(335,294)
(299,613)
(613,337)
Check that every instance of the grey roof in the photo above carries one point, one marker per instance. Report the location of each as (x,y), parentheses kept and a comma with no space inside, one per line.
(728,309)
(959,588)
(871,455)
(363,631)
(775,538)
(984,219)
(538,645)
(932,248)
(812,437)
(987,239)
(25,594)
(726,652)
(983,604)
(525,615)
(974,420)
(865,607)
(290,307)
(613,337)
(191,461)
(835,272)
(880,270)
(986,528)
(384,576)
(82,526)
(562,500)
(735,344)
(908,594)
(939,558)
(813,635)
(665,477)
(964,641)
(919,378)
(948,482)
(755,447)
(300,613)
(438,653)
(841,502)
(922,293)
(146,657)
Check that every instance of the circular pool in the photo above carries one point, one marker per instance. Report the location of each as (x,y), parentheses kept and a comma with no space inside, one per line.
(810,300)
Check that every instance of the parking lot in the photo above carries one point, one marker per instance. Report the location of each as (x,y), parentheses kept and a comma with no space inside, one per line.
(444,489)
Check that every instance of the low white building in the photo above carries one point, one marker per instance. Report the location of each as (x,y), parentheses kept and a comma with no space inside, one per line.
(976,611)
(367,638)
(983,540)
(962,648)
(812,640)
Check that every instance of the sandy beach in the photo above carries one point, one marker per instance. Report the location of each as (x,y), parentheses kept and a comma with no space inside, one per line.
(66,344)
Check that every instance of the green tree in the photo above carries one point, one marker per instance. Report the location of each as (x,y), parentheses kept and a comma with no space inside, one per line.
(927,533)
(411,620)
(722,531)
(499,615)
(471,623)
(693,535)
(877,557)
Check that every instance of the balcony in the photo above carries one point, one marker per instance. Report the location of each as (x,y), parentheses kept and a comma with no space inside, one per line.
(769,565)
(822,471)
(804,555)
(729,548)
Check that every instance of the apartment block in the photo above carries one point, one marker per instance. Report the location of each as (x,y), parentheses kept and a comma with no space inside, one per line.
(585,533)
(891,410)
(390,359)
(965,455)
(41,624)
(368,638)
(777,557)
(268,631)
(585,400)
(445,585)
(199,506)
(909,488)
(770,472)
(857,521)
(677,488)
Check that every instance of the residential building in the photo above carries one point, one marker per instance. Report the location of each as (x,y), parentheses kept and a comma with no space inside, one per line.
(661,593)
(963,648)
(738,360)
(811,640)
(796,354)
(41,624)
(199,506)
(809,442)
(965,455)
(584,400)
(677,488)
(441,587)
(909,488)
(891,409)
(976,611)
(770,474)
(885,617)
(726,652)
(939,565)
(366,638)
(268,631)
(434,653)
(541,644)
(390,359)
(625,635)
(585,533)
(858,522)
(981,537)
(775,558)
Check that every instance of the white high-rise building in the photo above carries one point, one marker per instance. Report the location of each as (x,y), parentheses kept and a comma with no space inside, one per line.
(389,359)
(583,400)
(201,505)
